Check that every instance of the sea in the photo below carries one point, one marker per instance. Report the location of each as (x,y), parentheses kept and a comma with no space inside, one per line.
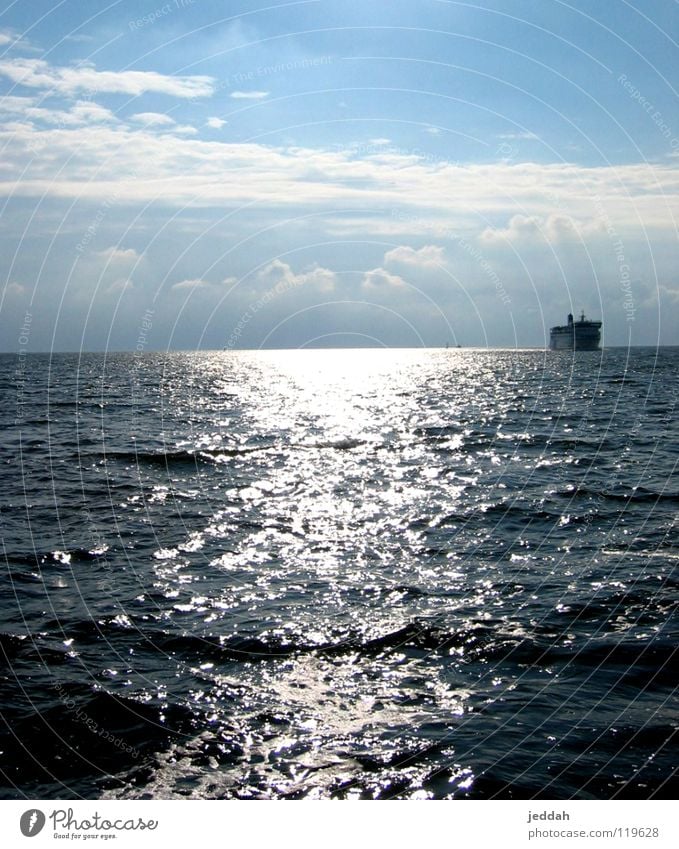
(339,574)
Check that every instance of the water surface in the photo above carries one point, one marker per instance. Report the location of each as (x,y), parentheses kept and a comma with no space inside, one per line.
(347,574)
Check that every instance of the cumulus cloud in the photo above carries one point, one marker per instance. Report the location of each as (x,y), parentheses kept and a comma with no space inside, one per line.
(279,276)
(249,95)
(381,280)
(37,73)
(428,256)
(525,229)
(118,254)
(15,289)
(519,228)
(215,123)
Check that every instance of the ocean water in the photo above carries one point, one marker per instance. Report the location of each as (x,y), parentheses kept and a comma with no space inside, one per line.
(339,574)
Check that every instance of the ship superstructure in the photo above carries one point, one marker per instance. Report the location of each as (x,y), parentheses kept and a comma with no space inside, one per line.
(581,335)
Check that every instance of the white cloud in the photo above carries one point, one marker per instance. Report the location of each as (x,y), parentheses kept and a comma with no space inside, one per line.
(123,284)
(428,256)
(153,119)
(163,122)
(82,112)
(37,73)
(523,136)
(198,284)
(120,255)
(433,131)
(190,285)
(13,104)
(526,229)
(10,39)
(520,228)
(381,280)
(137,165)
(79,38)
(667,294)
(86,111)
(215,123)
(15,289)
(279,276)
(249,95)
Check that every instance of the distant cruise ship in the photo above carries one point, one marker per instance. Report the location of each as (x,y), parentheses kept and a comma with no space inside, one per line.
(582,335)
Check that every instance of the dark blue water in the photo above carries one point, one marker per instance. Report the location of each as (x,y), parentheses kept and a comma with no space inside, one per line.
(351,574)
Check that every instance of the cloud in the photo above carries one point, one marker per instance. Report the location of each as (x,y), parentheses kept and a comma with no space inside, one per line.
(520,228)
(86,111)
(153,119)
(525,229)
(15,289)
(79,38)
(136,164)
(197,283)
(163,122)
(433,131)
(82,112)
(381,280)
(428,256)
(123,284)
(279,276)
(215,123)
(190,285)
(13,104)
(665,293)
(249,95)
(37,73)
(10,39)
(525,136)
(119,255)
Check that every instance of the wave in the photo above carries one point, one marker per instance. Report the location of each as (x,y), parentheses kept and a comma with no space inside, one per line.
(473,642)
(179,457)
(343,444)
(66,556)
(637,495)
(218,455)
(84,732)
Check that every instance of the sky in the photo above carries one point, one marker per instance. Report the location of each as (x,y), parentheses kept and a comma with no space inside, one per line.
(333,173)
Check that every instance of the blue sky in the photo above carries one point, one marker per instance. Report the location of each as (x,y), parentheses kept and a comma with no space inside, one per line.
(331,172)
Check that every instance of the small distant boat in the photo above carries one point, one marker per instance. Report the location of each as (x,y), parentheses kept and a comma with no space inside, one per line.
(581,335)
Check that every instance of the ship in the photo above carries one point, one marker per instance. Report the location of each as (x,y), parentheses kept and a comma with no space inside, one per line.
(581,335)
